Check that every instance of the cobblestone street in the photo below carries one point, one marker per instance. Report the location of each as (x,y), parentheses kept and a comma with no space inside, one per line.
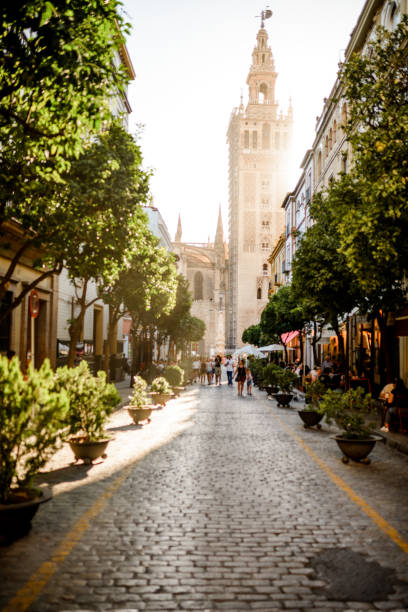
(221,503)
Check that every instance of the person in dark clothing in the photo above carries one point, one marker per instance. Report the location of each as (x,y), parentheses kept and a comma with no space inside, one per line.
(240,376)
(398,398)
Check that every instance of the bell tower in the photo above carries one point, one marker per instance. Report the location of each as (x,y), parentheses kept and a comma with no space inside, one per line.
(259,138)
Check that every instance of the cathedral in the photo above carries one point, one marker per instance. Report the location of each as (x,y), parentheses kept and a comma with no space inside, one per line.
(205,267)
(230,287)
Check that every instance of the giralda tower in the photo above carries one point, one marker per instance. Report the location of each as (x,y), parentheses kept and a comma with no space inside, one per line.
(259,138)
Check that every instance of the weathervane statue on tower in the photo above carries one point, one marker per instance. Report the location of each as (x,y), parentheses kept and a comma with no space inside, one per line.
(266,14)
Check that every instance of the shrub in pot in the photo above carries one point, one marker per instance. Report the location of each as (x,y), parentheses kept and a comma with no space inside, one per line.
(270,377)
(310,414)
(349,410)
(91,401)
(139,407)
(286,381)
(174,376)
(150,373)
(32,417)
(161,390)
(257,366)
(187,366)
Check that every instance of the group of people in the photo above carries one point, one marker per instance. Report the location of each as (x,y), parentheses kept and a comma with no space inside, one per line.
(209,370)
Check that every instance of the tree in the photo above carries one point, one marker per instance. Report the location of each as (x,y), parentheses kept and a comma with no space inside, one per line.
(107,184)
(373,231)
(173,323)
(252,335)
(282,314)
(145,288)
(371,203)
(322,283)
(57,75)
(194,331)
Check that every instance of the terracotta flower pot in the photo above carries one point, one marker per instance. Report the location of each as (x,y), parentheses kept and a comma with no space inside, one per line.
(140,414)
(283,399)
(88,451)
(356,450)
(16,516)
(310,418)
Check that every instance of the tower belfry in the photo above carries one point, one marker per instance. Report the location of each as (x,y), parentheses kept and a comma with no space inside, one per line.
(259,137)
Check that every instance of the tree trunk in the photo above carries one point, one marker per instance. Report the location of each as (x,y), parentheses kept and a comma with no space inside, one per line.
(114,316)
(387,371)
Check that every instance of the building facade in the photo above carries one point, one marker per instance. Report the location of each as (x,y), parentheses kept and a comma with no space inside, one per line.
(205,268)
(259,138)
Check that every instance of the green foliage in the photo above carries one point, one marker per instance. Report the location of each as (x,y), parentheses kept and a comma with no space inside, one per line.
(160,385)
(58,73)
(91,400)
(322,283)
(282,314)
(173,323)
(32,416)
(187,366)
(287,380)
(174,375)
(139,397)
(252,335)
(374,227)
(270,375)
(314,392)
(348,410)
(257,366)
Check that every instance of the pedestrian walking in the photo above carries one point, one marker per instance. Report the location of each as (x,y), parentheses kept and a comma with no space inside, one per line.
(209,371)
(217,370)
(203,371)
(240,377)
(196,369)
(249,381)
(229,366)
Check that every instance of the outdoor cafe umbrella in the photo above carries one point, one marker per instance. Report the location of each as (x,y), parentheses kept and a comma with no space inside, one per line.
(249,350)
(271,348)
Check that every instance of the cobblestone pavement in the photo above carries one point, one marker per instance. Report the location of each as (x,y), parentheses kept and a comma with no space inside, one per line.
(221,503)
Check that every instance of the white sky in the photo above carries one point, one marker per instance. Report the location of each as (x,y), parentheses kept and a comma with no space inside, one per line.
(191,59)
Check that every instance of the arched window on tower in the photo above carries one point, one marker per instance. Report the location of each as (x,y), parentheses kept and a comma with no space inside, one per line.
(326,147)
(246,139)
(334,132)
(330,139)
(263,91)
(266,136)
(198,286)
(254,139)
(259,293)
(265,269)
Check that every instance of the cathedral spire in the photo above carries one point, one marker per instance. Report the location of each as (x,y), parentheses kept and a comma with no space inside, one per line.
(179,231)
(219,235)
(262,75)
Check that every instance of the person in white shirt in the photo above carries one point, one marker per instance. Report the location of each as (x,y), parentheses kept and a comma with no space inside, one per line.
(229,366)
(196,369)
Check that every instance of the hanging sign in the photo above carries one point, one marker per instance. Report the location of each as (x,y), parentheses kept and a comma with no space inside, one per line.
(34,303)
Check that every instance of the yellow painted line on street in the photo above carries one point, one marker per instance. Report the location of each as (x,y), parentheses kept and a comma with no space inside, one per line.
(35,584)
(388,529)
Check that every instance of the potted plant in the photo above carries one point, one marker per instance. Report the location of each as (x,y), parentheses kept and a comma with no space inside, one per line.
(139,408)
(286,381)
(161,390)
(349,410)
(174,376)
(91,401)
(270,378)
(310,414)
(32,418)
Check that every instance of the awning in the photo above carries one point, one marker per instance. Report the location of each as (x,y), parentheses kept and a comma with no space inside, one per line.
(286,338)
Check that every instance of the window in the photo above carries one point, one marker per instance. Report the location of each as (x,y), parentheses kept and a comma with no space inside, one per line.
(198,286)
(344,114)
(277,140)
(334,132)
(266,136)
(259,293)
(326,146)
(330,139)
(344,163)
(265,246)
(263,90)
(255,140)
(319,163)
(246,139)
(265,269)
(265,224)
